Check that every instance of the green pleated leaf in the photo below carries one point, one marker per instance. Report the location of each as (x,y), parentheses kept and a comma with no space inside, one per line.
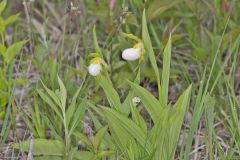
(50,103)
(111,93)
(166,72)
(84,155)
(12,51)
(149,51)
(126,125)
(63,93)
(48,158)
(99,137)
(12,19)
(128,99)
(53,95)
(3,5)
(176,119)
(72,107)
(42,147)
(152,105)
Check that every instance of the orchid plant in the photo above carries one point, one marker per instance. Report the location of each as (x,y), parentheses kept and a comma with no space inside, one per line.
(126,134)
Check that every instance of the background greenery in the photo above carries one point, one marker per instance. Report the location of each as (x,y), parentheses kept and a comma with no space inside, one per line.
(42,40)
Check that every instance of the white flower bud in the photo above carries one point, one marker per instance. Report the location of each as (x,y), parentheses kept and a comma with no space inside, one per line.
(95,67)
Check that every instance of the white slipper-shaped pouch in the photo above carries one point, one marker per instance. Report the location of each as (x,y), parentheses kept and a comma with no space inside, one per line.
(131,54)
(95,67)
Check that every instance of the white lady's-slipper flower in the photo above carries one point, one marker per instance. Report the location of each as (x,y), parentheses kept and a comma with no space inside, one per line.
(95,67)
(132,54)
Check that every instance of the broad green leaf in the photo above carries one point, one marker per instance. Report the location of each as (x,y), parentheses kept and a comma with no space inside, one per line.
(131,150)
(166,72)
(95,120)
(83,138)
(2,49)
(55,129)
(3,5)
(84,155)
(11,19)
(78,116)
(2,25)
(42,147)
(149,50)
(13,50)
(111,93)
(105,154)
(53,95)
(72,107)
(159,134)
(137,118)
(118,137)
(176,119)
(115,118)
(128,99)
(107,140)
(152,105)
(48,158)
(99,137)
(50,103)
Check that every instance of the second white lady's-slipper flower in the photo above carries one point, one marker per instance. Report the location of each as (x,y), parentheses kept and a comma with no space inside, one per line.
(132,54)
(95,67)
